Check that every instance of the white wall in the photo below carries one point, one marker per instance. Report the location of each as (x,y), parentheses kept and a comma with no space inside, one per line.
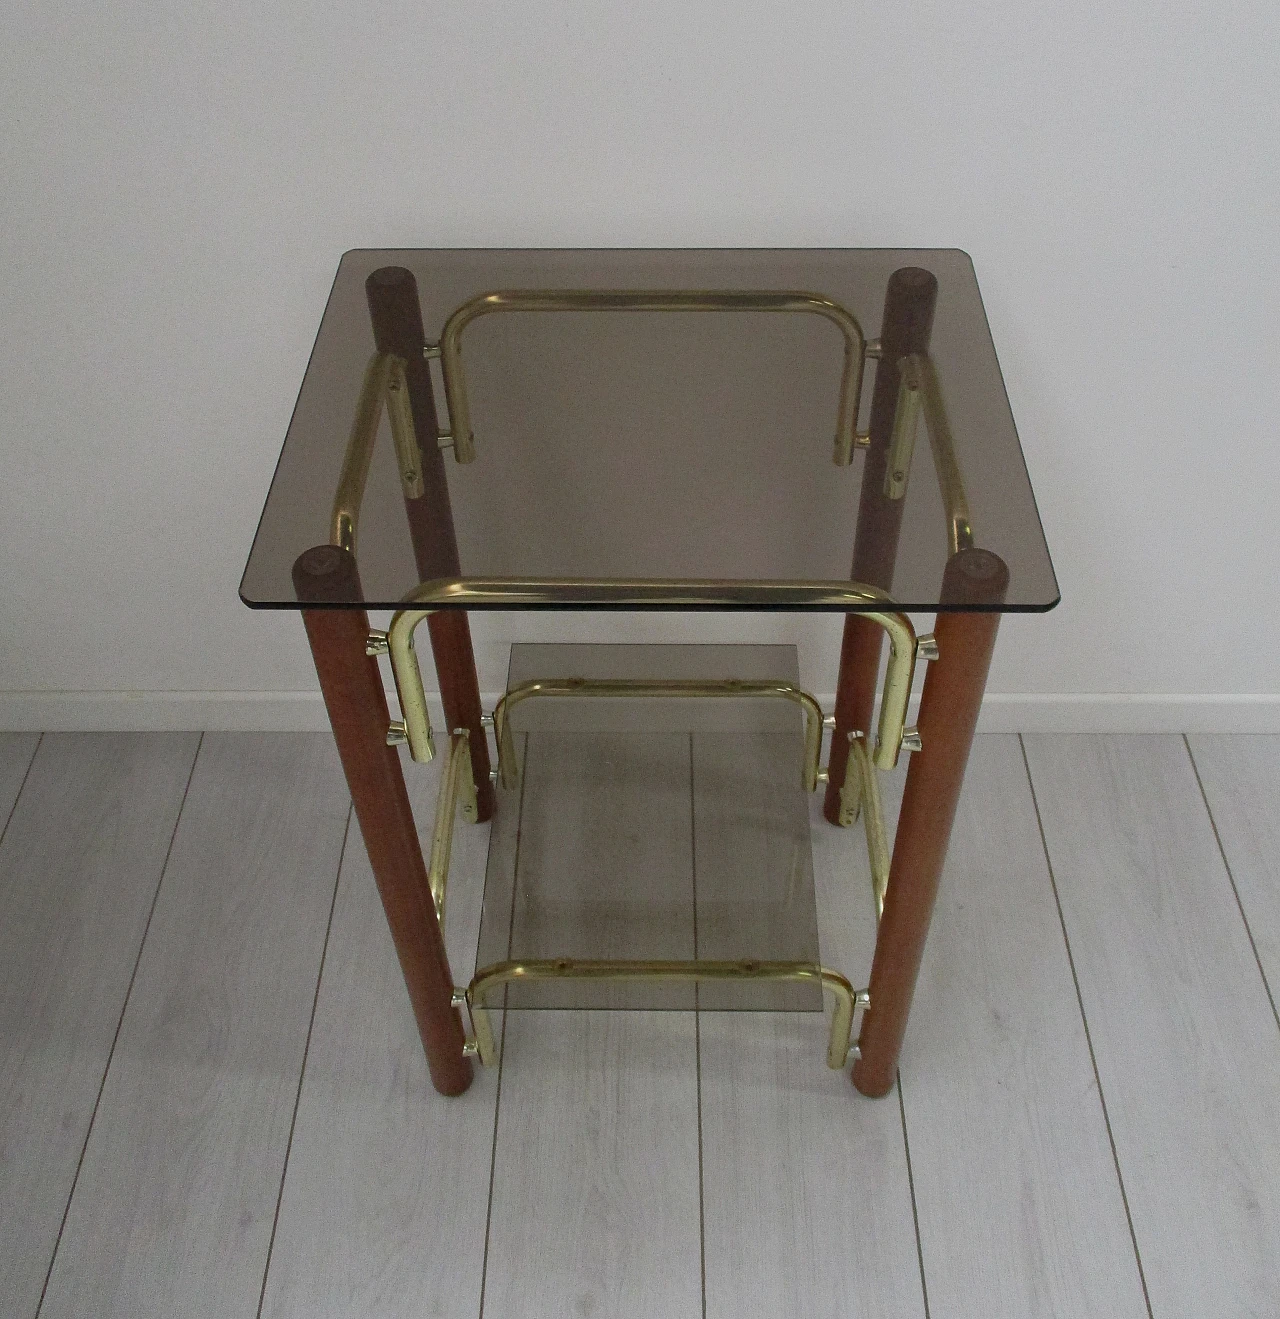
(179,181)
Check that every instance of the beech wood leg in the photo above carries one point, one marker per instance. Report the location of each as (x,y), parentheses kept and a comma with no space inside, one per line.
(949,709)
(353,695)
(905,328)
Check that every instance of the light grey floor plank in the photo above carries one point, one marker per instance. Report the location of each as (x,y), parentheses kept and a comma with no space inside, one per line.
(16,752)
(385,1198)
(806,1199)
(595,1190)
(1241,780)
(79,867)
(1020,1207)
(1186,1044)
(177,1192)
(806,1195)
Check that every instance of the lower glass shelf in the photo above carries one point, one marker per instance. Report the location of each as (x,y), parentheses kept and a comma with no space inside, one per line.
(653,828)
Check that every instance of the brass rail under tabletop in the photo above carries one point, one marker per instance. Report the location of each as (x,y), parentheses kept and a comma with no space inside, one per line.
(384,381)
(449,349)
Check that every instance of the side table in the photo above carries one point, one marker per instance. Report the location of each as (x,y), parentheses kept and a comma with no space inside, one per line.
(655,430)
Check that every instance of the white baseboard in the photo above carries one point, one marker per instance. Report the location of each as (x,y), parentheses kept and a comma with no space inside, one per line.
(1002,712)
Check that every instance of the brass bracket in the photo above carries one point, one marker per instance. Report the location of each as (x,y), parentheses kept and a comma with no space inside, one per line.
(403,436)
(457,785)
(902,442)
(840,1040)
(861,1003)
(866,795)
(449,349)
(458,1001)
(921,380)
(384,381)
(416,725)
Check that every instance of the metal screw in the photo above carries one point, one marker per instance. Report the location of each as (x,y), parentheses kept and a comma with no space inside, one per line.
(911,739)
(927,646)
(397,733)
(377,644)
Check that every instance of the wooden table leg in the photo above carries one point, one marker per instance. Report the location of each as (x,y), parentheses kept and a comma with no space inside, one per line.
(396,315)
(909,302)
(949,709)
(353,695)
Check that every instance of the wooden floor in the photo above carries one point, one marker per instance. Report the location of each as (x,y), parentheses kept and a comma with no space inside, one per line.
(213,1103)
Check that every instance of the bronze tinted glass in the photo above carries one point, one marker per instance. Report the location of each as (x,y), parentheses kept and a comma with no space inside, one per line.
(625,445)
(654,828)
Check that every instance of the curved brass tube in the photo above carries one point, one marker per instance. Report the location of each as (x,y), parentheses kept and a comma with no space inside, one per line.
(660,687)
(408,676)
(413,701)
(486,304)
(898,675)
(839,1040)
(643,593)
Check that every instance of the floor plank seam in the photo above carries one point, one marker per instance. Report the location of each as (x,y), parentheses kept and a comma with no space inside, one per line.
(493,1158)
(1093,1059)
(302,1070)
(124,1007)
(697,1029)
(515,865)
(523,765)
(702,1213)
(911,1188)
(1222,852)
(26,774)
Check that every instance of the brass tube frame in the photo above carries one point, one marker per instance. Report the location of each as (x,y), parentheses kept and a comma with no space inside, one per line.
(839,1040)
(658,687)
(868,797)
(408,675)
(543,300)
(384,382)
(893,705)
(456,786)
(645,593)
(919,376)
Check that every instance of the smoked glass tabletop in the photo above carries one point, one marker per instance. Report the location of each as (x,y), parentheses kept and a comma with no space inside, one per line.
(649,429)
